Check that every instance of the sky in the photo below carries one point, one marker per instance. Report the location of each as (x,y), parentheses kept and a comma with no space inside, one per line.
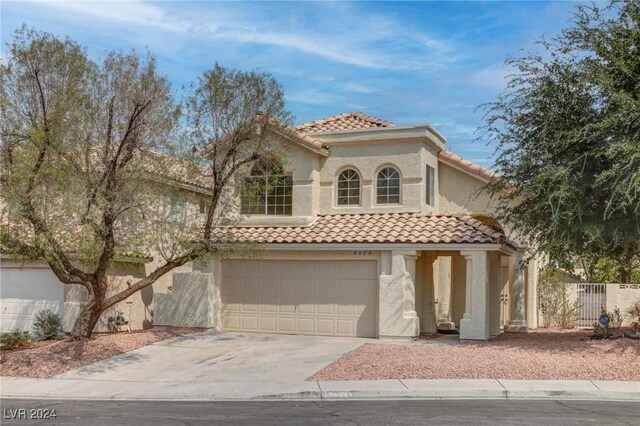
(405,62)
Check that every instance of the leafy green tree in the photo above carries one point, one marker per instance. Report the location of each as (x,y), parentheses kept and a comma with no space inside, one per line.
(568,135)
(89,152)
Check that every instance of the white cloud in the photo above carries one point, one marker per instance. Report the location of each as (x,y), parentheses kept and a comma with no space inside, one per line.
(315,97)
(353,36)
(491,77)
(126,12)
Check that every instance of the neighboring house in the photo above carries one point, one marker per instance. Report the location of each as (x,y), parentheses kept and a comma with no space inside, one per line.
(29,287)
(367,229)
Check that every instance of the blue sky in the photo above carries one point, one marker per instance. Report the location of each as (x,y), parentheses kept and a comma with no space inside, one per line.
(407,62)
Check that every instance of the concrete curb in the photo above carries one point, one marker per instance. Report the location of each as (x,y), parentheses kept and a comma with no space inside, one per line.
(460,394)
(70,389)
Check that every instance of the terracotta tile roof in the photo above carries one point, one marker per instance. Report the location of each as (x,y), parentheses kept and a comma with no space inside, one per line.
(345,121)
(377,228)
(301,137)
(473,168)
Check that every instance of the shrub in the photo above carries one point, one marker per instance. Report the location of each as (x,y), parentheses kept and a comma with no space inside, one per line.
(633,312)
(615,322)
(47,326)
(14,339)
(556,306)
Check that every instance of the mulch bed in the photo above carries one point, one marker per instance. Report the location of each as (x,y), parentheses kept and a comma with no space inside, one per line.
(48,358)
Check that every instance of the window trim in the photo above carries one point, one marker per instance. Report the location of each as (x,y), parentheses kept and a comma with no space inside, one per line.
(430,186)
(375,194)
(337,187)
(265,194)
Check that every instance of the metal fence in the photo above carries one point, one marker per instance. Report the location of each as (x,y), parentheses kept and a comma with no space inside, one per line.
(592,299)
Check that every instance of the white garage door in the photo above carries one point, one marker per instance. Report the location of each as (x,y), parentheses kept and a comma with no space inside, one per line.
(329,298)
(26,291)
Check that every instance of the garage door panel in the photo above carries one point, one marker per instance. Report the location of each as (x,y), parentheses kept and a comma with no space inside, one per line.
(268,324)
(250,307)
(308,297)
(326,306)
(268,304)
(287,305)
(233,286)
(302,270)
(231,322)
(286,325)
(306,326)
(26,291)
(269,286)
(251,288)
(345,327)
(271,269)
(250,323)
(325,326)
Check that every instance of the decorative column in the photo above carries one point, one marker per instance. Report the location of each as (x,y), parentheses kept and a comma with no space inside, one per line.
(495,281)
(428,320)
(517,322)
(397,316)
(532,294)
(443,294)
(475,322)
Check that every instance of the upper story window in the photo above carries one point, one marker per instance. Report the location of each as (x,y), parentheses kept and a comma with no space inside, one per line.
(349,188)
(388,186)
(430,184)
(267,190)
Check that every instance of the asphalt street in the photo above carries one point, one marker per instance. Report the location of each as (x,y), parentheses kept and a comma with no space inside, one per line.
(378,412)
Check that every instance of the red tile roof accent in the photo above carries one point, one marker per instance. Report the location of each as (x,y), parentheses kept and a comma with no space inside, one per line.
(344,121)
(411,228)
(470,167)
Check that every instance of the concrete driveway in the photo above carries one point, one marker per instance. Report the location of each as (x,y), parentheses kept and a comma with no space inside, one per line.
(202,365)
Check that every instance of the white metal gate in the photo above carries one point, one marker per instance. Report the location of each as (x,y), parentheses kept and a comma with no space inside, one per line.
(592,299)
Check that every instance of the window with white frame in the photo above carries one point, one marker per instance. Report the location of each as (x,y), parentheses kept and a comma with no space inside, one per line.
(267,191)
(349,188)
(430,185)
(388,186)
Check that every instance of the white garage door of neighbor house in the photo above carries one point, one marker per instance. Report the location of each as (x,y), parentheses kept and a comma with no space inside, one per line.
(326,298)
(26,291)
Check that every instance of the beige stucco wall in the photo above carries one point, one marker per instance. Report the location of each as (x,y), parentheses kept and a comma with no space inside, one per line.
(622,296)
(137,309)
(409,158)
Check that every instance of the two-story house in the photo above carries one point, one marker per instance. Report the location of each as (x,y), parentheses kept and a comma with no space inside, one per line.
(367,229)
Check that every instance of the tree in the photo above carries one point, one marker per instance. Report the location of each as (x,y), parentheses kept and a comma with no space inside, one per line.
(568,134)
(86,147)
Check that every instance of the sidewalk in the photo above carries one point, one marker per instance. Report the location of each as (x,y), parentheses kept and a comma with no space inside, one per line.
(63,388)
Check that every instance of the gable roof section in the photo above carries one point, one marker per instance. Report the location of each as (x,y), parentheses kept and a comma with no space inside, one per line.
(412,228)
(300,138)
(466,166)
(344,121)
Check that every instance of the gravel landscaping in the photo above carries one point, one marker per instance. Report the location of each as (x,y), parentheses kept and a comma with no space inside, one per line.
(541,355)
(48,358)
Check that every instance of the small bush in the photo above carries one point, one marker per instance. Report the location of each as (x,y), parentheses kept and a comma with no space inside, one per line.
(14,339)
(47,326)
(558,307)
(615,322)
(633,312)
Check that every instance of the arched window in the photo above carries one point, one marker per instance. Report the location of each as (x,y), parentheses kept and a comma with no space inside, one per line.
(267,190)
(388,186)
(349,188)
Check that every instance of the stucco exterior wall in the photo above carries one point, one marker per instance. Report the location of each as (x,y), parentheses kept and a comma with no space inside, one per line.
(459,193)
(137,309)
(622,296)
(409,158)
(458,287)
